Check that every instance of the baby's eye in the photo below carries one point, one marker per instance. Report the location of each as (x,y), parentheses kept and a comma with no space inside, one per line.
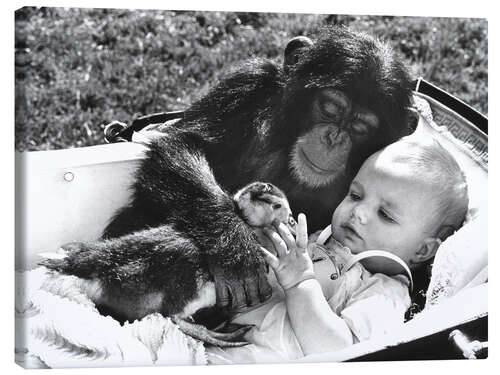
(354,196)
(385,216)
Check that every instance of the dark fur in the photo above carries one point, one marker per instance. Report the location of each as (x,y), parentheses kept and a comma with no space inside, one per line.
(175,185)
(150,261)
(248,122)
(243,130)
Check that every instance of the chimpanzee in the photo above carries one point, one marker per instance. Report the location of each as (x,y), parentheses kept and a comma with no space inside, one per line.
(305,126)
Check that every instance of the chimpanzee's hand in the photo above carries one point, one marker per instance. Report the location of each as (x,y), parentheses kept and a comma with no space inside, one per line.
(236,292)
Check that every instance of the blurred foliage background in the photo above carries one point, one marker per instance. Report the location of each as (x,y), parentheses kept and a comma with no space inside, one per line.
(79,69)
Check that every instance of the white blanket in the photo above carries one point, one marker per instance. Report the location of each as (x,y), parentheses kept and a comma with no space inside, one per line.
(58,326)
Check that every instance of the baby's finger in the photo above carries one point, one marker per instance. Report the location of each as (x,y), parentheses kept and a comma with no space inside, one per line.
(270,258)
(279,244)
(286,235)
(264,241)
(302,232)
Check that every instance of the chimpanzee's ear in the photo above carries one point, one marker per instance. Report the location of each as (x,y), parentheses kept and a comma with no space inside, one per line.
(293,49)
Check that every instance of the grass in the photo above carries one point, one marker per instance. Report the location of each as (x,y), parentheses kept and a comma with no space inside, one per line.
(79,69)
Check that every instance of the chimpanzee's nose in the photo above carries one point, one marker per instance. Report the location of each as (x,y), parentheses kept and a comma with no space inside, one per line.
(336,135)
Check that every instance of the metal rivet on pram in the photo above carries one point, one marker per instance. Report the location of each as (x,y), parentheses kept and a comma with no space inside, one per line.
(69,176)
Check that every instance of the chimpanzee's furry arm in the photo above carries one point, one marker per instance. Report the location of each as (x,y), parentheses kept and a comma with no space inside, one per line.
(175,185)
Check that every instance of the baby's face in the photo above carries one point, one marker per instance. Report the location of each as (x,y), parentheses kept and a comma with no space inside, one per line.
(386,208)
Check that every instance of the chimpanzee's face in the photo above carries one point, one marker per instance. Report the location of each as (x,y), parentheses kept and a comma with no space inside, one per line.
(319,156)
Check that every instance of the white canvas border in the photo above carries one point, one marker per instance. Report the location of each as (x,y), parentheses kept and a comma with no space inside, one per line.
(474,8)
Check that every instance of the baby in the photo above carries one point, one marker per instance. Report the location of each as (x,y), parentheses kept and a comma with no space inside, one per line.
(405,200)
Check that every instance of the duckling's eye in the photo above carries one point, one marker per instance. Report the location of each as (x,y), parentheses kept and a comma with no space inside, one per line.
(276,206)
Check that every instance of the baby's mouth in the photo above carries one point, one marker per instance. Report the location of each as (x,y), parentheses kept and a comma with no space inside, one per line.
(351,232)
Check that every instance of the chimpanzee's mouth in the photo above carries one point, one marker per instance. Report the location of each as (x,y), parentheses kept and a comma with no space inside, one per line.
(313,166)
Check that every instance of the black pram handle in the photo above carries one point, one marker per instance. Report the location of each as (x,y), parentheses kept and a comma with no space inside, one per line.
(453,103)
(117,131)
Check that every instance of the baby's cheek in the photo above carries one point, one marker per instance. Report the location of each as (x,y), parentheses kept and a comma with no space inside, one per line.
(383,239)
(336,217)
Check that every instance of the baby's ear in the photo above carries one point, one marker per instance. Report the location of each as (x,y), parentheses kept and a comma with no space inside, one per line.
(427,249)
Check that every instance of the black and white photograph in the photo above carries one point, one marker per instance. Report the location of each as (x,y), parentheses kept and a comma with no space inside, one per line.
(217,187)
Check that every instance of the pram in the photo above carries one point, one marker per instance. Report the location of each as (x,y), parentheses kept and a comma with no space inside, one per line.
(82,188)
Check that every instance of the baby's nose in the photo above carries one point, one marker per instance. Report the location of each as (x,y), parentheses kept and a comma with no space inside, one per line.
(359,214)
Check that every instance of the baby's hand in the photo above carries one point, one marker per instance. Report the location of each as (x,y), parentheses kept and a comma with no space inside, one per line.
(292,263)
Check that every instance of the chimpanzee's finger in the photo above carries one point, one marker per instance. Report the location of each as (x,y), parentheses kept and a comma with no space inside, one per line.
(265,290)
(302,233)
(238,296)
(279,244)
(222,294)
(252,291)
